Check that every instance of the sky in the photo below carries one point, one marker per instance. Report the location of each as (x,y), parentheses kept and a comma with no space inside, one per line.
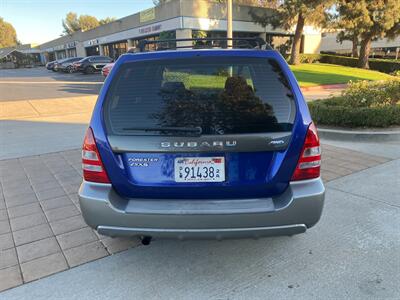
(39,21)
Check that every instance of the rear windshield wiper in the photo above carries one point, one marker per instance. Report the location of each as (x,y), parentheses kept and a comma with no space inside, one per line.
(192,130)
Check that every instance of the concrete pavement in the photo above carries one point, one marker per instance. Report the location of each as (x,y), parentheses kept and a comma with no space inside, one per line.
(31,127)
(39,83)
(384,149)
(41,228)
(351,254)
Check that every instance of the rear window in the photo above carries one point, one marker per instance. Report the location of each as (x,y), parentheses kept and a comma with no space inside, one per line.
(217,95)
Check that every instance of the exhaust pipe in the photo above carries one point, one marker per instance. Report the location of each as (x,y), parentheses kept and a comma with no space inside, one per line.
(146,240)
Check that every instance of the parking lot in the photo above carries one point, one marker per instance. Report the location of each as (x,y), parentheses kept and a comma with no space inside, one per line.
(47,251)
(39,83)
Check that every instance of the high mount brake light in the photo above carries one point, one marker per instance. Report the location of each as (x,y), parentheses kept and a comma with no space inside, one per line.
(93,169)
(309,164)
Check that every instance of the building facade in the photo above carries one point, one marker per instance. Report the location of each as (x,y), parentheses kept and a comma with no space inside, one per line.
(19,56)
(388,48)
(179,18)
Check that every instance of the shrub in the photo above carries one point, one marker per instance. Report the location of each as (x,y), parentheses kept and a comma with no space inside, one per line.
(382,65)
(362,104)
(345,116)
(307,58)
(339,60)
(396,73)
(370,94)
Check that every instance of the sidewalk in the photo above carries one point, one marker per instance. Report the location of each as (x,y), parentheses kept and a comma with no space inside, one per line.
(39,110)
(322,91)
(31,127)
(41,228)
(351,254)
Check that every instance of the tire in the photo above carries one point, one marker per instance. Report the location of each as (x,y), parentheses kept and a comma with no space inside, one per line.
(70,70)
(89,70)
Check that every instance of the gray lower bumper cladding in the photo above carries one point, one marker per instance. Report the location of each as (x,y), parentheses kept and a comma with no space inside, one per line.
(293,212)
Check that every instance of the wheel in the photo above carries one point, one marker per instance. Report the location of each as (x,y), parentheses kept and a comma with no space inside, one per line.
(89,70)
(70,70)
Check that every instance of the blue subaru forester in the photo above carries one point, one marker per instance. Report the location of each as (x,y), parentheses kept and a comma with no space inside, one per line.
(201,143)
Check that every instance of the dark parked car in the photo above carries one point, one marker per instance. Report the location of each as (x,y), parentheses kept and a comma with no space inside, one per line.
(50,65)
(201,143)
(92,64)
(57,64)
(66,64)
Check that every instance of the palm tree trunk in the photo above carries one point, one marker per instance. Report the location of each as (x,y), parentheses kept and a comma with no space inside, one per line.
(295,54)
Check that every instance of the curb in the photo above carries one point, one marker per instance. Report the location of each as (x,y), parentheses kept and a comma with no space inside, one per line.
(354,135)
(324,87)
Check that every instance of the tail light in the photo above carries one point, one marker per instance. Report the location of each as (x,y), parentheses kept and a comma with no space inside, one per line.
(93,169)
(309,164)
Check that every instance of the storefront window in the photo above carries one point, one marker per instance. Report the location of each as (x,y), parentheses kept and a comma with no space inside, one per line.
(71,52)
(94,50)
(61,54)
(148,38)
(50,56)
(115,50)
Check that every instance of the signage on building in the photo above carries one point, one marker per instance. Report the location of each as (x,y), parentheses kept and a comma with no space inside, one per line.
(150,29)
(70,45)
(93,42)
(59,47)
(147,15)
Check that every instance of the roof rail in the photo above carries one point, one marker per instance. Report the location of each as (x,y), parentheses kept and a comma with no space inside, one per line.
(203,43)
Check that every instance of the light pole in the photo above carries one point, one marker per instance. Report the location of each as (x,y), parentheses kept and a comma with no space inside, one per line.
(229,34)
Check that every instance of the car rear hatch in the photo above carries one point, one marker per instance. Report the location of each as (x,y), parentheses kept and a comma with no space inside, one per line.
(200,127)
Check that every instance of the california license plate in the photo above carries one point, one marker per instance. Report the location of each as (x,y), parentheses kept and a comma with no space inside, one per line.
(200,169)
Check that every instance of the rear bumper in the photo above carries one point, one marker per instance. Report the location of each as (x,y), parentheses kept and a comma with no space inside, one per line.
(293,212)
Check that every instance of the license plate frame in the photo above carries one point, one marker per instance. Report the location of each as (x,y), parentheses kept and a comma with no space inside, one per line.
(201,169)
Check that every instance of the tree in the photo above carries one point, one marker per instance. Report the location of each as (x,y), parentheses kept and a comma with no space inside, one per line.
(259,3)
(106,20)
(352,36)
(160,2)
(8,35)
(371,19)
(296,13)
(256,3)
(87,22)
(73,22)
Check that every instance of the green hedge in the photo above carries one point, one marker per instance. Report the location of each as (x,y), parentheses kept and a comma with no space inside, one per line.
(385,66)
(309,58)
(306,58)
(382,65)
(345,116)
(339,60)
